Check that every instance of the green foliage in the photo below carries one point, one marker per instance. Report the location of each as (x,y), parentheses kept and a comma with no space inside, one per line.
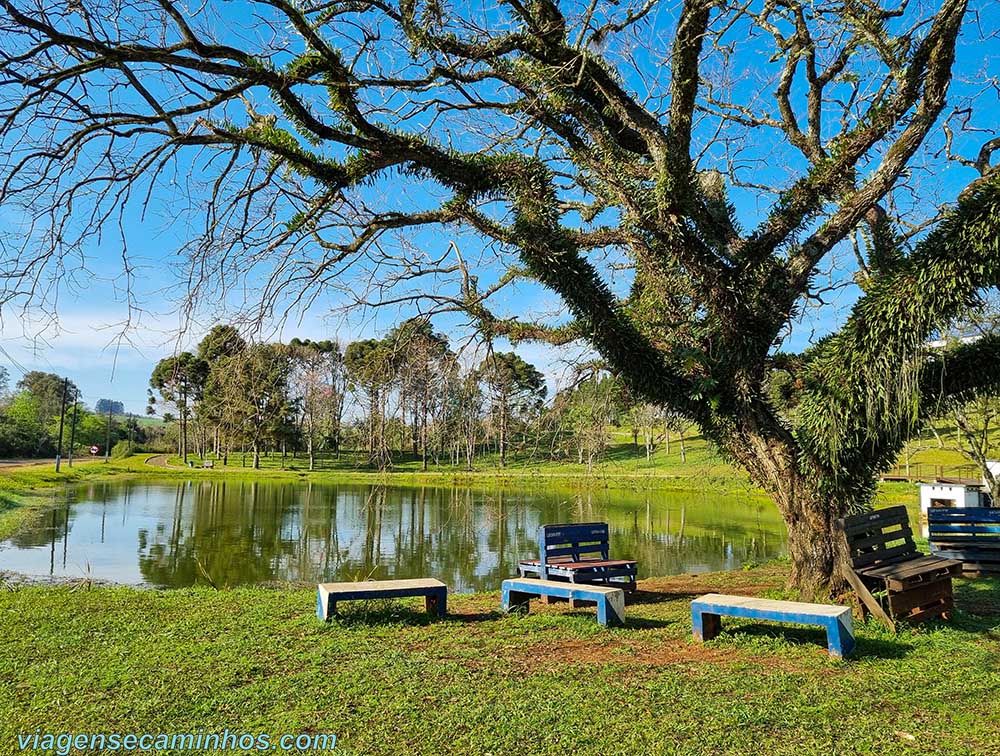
(864,392)
(121,450)
(24,429)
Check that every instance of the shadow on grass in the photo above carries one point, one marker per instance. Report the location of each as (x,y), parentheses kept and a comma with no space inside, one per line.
(639,597)
(387,612)
(867,647)
(979,596)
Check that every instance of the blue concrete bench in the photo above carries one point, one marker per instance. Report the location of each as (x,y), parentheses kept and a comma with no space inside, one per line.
(435,594)
(707,610)
(517,593)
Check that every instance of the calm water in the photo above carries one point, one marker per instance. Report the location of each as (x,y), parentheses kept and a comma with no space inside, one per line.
(170,534)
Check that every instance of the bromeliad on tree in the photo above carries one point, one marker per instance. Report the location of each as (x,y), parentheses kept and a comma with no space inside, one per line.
(564,138)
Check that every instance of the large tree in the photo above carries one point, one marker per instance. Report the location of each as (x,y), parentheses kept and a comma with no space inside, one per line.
(50,390)
(516,388)
(582,141)
(180,380)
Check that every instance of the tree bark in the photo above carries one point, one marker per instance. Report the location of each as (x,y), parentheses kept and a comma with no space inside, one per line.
(815,546)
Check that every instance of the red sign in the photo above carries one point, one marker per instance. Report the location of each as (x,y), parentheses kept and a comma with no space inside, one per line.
(94,450)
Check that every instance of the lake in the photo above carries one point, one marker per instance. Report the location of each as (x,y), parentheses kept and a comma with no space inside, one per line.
(171,534)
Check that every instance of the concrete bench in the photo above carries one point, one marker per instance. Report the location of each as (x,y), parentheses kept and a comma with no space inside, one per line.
(706,612)
(435,594)
(518,592)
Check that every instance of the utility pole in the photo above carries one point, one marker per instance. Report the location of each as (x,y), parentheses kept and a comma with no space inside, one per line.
(131,428)
(107,440)
(72,432)
(62,418)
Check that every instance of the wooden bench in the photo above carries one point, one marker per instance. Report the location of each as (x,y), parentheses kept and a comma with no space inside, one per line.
(517,592)
(884,560)
(567,552)
(435,594)
(971,536)
(707,610)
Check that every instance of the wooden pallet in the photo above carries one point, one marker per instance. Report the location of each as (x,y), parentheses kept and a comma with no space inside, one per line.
(885,560)
(970,536)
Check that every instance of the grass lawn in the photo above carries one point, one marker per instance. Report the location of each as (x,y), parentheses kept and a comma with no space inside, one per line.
(386,679)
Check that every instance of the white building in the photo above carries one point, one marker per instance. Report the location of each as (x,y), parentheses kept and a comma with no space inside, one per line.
(951,495)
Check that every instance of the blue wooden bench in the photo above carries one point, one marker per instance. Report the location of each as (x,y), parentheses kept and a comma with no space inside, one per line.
(970,536)
(579,553)
(707,610)
(435,594)
(517,593)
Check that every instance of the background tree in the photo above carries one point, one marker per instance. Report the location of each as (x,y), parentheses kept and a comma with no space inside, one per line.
(47,388)
(23,432)
(591,412)
(536,127)
(975,420)
(418,355)
(646,420)
(180,380)
(314,380)
(369,369)
(222,342)
(254,391)
(515,386)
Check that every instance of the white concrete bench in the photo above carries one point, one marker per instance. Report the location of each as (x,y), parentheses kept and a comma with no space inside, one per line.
(706,612)
(435,594)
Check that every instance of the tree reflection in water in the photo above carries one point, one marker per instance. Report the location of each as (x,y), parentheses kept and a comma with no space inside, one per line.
(238,531)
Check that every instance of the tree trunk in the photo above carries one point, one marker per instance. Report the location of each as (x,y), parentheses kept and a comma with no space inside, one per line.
(815,546)
(503,435)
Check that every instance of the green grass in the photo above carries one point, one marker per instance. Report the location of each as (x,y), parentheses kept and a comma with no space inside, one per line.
(620,460)
(388,680)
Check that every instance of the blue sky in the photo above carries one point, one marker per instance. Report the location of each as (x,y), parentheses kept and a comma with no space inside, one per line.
(88,345)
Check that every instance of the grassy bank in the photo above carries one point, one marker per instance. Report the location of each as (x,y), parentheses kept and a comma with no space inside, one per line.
(387,680)
(24,489)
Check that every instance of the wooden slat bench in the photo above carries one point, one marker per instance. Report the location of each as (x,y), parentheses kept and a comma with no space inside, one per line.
(579,553)
(970,535)
(707,610)
(517,592)
(435,594)
(885,560)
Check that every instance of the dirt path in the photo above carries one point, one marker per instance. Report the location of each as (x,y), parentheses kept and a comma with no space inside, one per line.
(25,462)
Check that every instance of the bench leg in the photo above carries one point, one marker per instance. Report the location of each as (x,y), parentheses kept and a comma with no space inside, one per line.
(840,636)
(437,603)
(705,626)
(611,609)
(515,601)
(325,608)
